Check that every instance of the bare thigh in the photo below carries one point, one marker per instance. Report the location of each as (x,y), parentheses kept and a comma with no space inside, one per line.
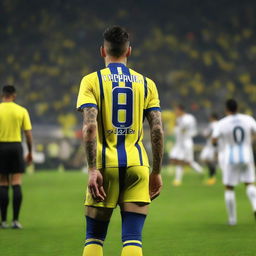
(178,162)
(141,208)
(16,179)
(104,214)
(4,180)
(99,213)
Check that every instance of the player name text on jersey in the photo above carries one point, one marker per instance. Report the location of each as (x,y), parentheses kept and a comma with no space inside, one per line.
(122,78)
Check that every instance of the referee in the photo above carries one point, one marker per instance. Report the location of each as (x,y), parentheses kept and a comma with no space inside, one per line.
(13,119)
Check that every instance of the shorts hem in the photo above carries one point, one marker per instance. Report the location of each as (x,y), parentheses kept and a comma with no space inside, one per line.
(136,201)
(237,183)
(101,206)
(9,173)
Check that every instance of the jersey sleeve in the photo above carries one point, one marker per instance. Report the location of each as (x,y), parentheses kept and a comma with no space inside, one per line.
(193,127)
(86,96)
(152,100)
(26,125)
(216,131)
(253,125)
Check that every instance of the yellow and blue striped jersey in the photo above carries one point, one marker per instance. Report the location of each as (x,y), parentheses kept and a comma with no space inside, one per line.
(122,97)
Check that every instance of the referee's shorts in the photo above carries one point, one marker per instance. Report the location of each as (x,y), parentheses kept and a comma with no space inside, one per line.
(11,158)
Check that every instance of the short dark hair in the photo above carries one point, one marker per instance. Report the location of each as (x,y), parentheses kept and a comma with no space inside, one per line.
(231,105)
(8,90)
(118,38)
(180,107)
(214,116)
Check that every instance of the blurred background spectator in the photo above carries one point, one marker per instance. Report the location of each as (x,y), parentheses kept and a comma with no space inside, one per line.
(198,52)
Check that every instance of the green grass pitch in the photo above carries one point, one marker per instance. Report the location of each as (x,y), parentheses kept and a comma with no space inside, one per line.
(188,220)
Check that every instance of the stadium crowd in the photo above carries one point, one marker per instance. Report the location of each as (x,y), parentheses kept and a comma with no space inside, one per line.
(201,61)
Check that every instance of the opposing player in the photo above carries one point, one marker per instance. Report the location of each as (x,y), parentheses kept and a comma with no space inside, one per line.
(235,132)
(13,120)
(209,152)
(114,101)
(183,151)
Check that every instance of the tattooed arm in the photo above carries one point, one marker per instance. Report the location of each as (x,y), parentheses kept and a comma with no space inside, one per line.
(95,181)
(157,134)
(90,135)
(156,131)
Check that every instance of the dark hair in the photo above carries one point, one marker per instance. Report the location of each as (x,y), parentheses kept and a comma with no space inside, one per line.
(214,116)
(231,105)
(8,90)
(180,107)
(118,38)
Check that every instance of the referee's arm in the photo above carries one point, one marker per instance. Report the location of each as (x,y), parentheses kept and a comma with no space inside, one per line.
(27,128)
(28,135)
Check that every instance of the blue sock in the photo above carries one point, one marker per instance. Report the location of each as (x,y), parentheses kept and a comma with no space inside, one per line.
(132,225)
(96,231)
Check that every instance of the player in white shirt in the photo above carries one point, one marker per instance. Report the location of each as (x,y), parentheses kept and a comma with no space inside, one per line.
(209,152)
(235,132)
(183,151)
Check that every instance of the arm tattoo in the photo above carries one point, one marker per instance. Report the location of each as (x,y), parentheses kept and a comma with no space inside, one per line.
(157,134)
(90,135)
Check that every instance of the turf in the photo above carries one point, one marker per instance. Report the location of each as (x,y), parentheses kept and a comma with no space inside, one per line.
(188,220)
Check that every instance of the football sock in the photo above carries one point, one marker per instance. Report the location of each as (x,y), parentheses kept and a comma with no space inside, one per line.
(179,173)
(196,166)
(212,169)
(132,225)
(96,232)
(93,249)
(251,193)
(4,201)
(132,250)
(17,200)
(230,200)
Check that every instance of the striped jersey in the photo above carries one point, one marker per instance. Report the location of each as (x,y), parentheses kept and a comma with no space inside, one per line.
(235,134)
(122,97)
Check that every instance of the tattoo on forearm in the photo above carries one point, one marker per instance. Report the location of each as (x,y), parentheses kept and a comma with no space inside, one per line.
(90,135)
(156,129)
(90,149)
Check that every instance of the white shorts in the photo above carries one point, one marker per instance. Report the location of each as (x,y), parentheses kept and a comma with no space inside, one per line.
(234,174)
(182,153)
(208,154)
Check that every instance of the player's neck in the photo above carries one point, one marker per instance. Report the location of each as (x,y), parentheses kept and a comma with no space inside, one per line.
(8,99)
(109,60)
(231,113)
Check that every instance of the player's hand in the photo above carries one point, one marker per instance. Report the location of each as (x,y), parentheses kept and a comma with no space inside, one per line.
(155,185)
(95,185)
(29,158)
